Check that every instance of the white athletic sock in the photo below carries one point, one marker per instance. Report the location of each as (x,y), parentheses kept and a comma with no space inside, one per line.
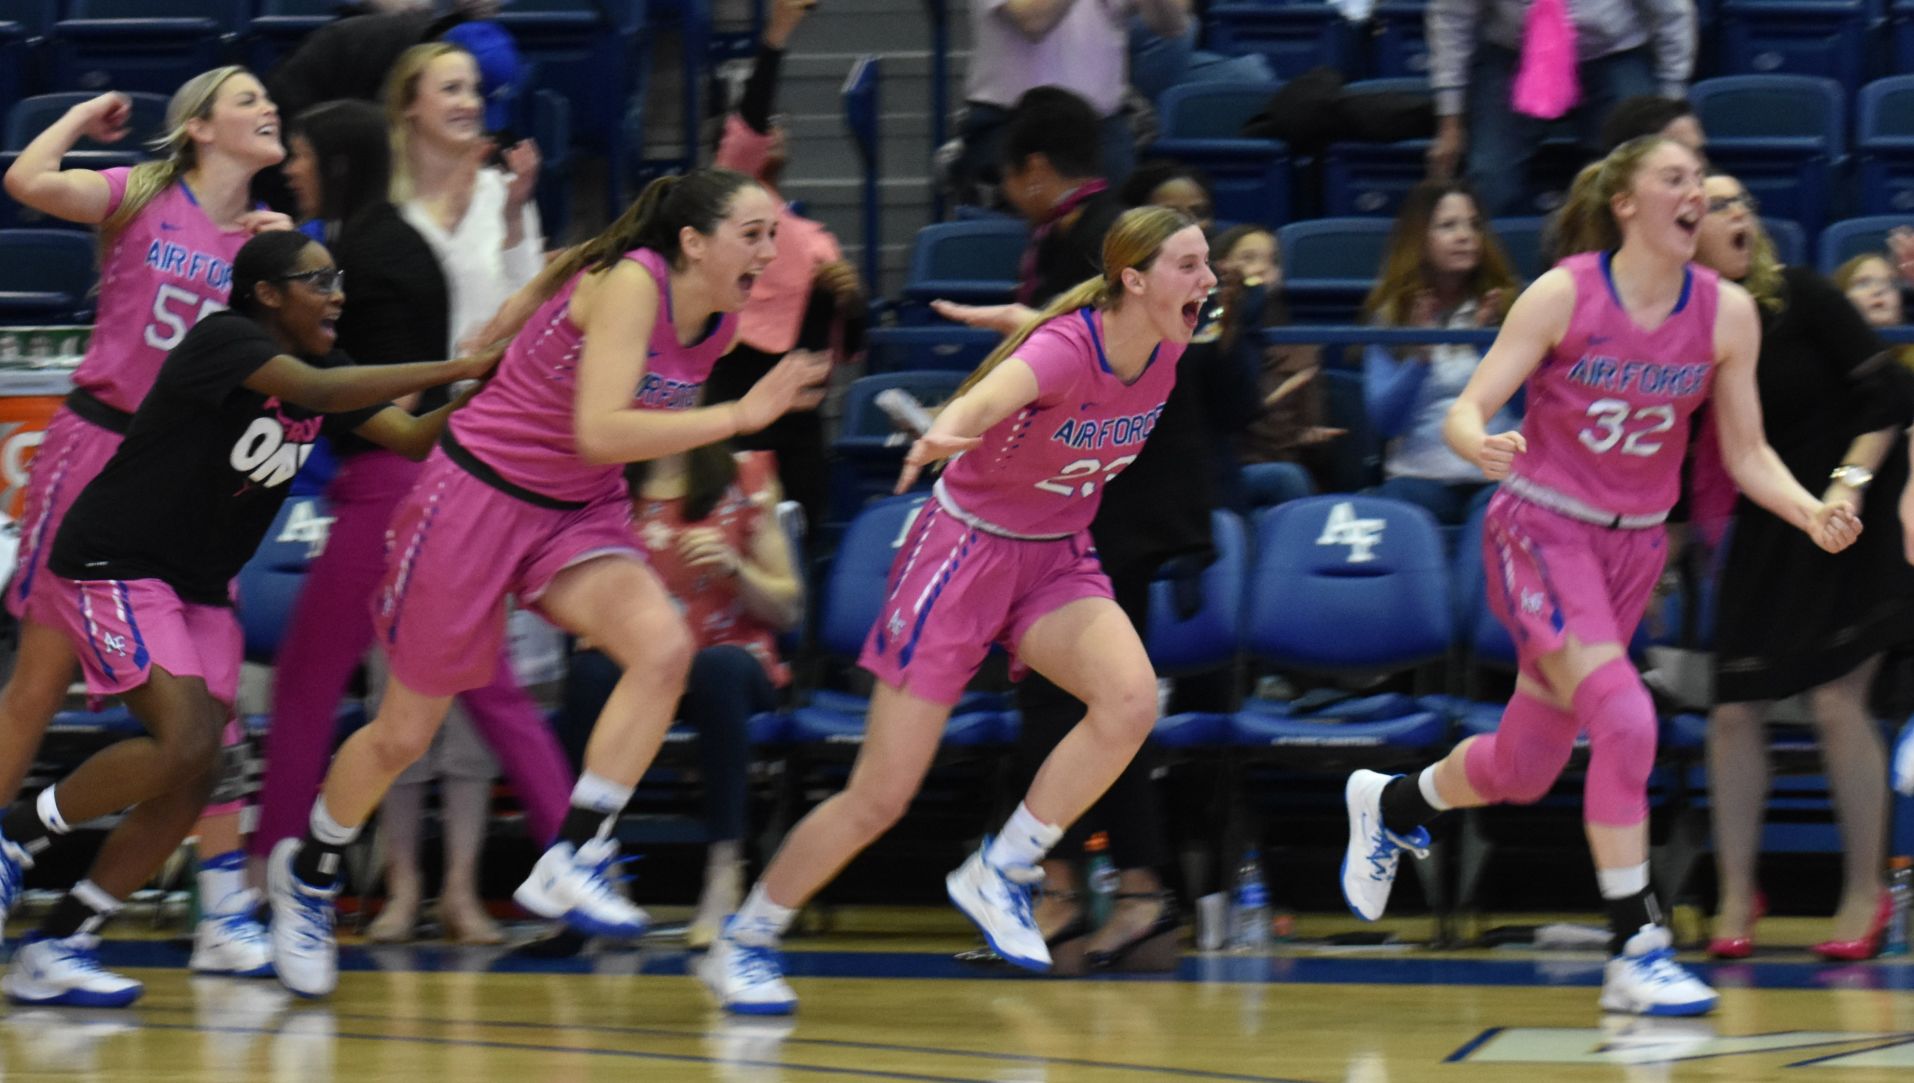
(1426,782)
(1622,883)
(600,794)
(327,830)
(1023,841)
(760,922)
(48,806)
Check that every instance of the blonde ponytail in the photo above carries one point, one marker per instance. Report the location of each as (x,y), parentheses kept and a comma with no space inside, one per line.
(1133,242)
(192,101)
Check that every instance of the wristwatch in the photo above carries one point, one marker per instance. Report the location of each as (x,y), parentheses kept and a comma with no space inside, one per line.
(1854,477)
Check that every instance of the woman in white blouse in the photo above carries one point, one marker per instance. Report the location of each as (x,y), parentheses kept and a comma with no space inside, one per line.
(482,225)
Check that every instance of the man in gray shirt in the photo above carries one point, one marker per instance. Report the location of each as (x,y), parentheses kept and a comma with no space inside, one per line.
(1625,48)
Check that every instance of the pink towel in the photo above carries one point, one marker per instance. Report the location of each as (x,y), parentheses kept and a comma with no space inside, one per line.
(1545,83)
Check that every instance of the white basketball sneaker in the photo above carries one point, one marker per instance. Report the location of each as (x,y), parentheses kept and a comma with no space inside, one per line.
(1369,864)
(231,941)
(1645,979)
(66,972)
(575,887)
(746,979)
(997,901)
(305,954)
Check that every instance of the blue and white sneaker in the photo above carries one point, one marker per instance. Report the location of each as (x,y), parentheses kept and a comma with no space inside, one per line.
(746,979)
(66,972)
(304,953)
(232,941)
(576,887)
(997,901)
(1645,979)
(1369,864)
(1903,774)
(14,863)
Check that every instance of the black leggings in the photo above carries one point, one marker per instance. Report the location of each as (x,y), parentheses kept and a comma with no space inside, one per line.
(1129,812)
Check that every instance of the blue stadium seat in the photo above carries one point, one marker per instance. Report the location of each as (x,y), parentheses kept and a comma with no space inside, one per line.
(869,449)
(1269,484)
(281,25)
(1330,264)
(36,17)
(1200,123)
(1790,240)
(1884,144)
(1373,178)
(14,70)
(1196,625)
(1398,42)
(1901,31)
(1372,576)
(1295,36)
(46,276)
(974,262)
(31,116)
(933,346)
(1521,238)
(126,45)
(1826,38)
(1851,237)
(1783,136)
(849,604)
(591,53)
(1353,460)
(269,583)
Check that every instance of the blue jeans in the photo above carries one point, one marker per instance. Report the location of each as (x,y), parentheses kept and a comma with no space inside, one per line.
(726,687)
(1502,142)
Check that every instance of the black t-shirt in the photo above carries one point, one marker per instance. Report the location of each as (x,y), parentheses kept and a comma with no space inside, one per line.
(202,472)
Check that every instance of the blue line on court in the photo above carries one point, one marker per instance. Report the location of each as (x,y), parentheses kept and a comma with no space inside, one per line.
(1471,1045)
(1852,1053)
(1406,969)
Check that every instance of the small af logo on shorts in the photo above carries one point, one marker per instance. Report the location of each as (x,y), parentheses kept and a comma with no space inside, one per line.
(1532,601)
(1360,535)
(114,643)
(895,626)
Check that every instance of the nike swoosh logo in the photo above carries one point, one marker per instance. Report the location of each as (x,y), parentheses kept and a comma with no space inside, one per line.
(170,227)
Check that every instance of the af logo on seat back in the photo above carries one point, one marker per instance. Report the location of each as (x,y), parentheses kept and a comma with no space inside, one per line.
(1343,527)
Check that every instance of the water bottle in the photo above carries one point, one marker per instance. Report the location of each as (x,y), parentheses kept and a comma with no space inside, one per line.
(1101,874)
(1901,896)
(1249,907)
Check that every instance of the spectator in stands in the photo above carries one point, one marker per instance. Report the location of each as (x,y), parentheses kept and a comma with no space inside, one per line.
(1052,177)
(1652,114)
(1288,427)
(707,520)
(1870,285)
(351,58)
(1793,619)
(1624,49)
(809,298)
(399,311)
(1075,45)
(1443,269)
(1163,183)
(1160,61)
(221,128)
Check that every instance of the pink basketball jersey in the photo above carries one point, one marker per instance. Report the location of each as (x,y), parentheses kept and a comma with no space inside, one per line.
(166,270)
(1042,469)
(521,425)
(1609,408)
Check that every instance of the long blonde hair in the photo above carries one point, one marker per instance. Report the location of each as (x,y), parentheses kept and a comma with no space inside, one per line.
(1763,280)
(1586,222)
(1134,240)
(401,90)
(192,101)
(1405,263)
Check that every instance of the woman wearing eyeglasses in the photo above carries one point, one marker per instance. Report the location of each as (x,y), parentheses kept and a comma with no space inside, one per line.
(139,578)
(1793,619)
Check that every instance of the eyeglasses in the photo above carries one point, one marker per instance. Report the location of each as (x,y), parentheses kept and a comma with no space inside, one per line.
(1746,201)
(324,279)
